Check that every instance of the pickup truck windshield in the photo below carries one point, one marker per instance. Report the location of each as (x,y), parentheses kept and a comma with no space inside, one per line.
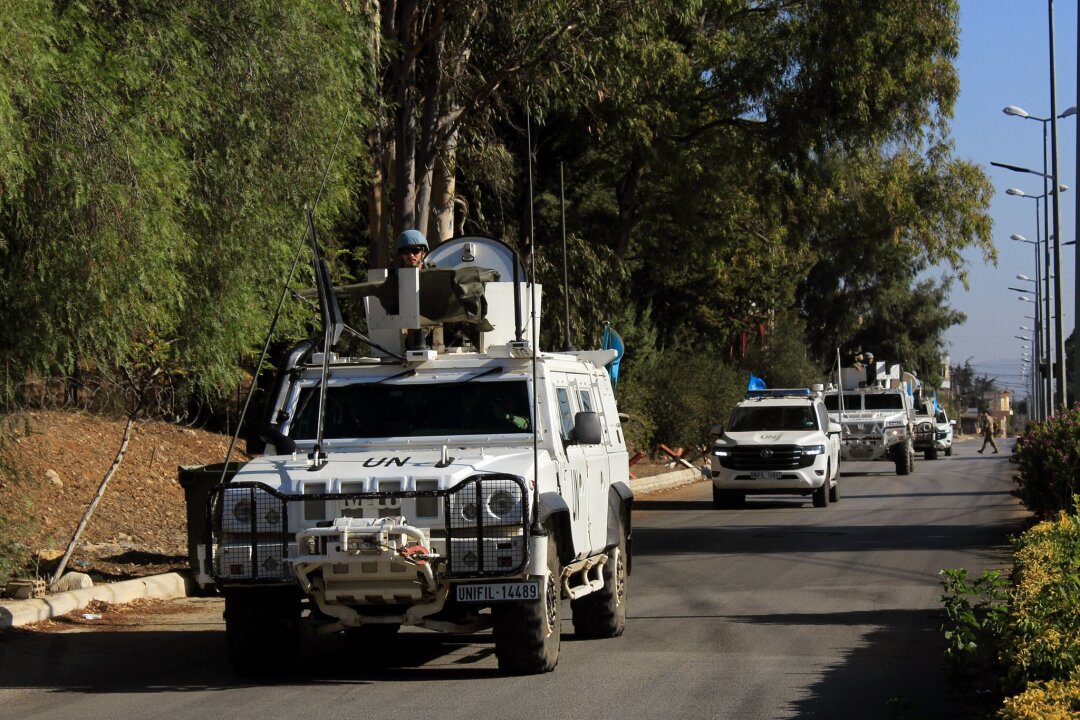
(751,418)
(370,410)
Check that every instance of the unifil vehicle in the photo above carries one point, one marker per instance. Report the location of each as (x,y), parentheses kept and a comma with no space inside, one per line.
(876,410)
(454,478)
(777,442)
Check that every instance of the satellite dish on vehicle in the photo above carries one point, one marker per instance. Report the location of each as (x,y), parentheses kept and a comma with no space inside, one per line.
(476,251)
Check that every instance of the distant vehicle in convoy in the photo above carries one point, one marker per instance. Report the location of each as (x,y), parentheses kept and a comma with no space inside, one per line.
(458,482)
(876,410)
(777,442)
(933,430)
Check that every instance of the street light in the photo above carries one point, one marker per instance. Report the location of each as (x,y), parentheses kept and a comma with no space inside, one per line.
(1054,192)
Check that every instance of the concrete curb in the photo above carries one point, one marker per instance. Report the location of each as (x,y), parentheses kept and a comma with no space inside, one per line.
(23,612)
(169,586)
(664,481)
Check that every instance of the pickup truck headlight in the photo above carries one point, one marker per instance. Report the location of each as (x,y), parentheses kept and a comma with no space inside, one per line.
(721,452)
(814,450)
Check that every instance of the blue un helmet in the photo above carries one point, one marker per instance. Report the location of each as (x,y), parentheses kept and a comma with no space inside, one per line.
(411,239)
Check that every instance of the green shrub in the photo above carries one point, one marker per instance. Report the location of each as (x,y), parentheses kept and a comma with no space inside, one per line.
(1048,457)
(15,517)
(1025,637)
(1043,638)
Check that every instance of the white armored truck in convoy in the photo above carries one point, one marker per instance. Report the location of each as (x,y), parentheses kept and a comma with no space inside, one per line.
(455,479)
(874,406)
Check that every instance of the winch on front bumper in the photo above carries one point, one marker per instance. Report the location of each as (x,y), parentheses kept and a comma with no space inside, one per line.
(371,548)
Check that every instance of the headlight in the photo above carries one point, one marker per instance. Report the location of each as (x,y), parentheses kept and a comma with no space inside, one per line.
(468,511)
(814,450)
(501,504)
(721,452)
(242,510)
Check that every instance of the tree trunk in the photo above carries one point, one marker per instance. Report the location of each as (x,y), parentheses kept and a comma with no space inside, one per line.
(405,125)
(444,185)
(626,193)
(97,498)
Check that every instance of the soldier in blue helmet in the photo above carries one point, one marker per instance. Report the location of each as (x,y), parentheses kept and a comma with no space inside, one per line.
(411,248)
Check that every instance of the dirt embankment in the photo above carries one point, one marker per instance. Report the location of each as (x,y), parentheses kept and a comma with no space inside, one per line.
(53,463)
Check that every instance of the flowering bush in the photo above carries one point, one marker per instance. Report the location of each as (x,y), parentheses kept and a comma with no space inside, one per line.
(1027,635)
(1051,700)
(1048,456)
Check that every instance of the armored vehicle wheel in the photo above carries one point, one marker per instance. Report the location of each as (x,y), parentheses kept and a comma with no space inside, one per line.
(602,614)
(904,462)
(931,454)
(527,634)
(727,499)
(262,630)
(834,491)
(821,495)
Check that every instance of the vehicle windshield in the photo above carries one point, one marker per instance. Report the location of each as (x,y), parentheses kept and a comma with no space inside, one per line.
(372,410)
(851,402)
(753,418)
(886,401)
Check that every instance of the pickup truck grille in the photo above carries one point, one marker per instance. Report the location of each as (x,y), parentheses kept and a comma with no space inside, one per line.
(766,457)
(252,526)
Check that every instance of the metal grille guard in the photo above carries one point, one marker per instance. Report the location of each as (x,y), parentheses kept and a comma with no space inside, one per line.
(249,538)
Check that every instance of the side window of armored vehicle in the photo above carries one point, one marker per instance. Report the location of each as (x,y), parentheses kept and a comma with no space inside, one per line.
(566,414)
(586,400)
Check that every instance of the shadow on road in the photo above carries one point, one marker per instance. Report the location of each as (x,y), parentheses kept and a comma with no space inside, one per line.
(767,539)
(134,662)
(896,671)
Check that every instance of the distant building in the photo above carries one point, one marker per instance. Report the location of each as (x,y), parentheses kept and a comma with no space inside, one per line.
(999,405)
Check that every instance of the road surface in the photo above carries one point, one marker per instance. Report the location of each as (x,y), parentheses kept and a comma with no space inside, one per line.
(776,610)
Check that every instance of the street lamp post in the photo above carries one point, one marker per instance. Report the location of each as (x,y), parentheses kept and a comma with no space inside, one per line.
(1054,192)
(1045,394)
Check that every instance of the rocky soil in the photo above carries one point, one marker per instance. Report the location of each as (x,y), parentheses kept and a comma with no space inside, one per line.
(54,464)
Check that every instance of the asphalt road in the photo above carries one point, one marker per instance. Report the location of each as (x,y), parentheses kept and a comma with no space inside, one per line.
(777,610)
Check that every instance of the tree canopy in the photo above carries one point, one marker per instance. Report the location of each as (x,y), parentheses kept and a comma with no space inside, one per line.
(733,169)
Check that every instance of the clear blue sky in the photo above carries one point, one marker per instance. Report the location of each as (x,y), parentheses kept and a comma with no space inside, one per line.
(1004,60)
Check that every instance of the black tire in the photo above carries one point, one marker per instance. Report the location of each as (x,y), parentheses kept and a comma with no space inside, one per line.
(262,630)
(905,461)
(834,491)
(727,499)
(602,614)
(821,495)
(948,451)
(930,454)
(528,634)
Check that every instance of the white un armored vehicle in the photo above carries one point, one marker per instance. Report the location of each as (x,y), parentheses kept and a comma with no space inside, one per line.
(453,480)
(876,411)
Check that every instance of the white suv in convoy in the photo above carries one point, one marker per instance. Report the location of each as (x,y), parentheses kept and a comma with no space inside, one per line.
(944,432)
(777,442)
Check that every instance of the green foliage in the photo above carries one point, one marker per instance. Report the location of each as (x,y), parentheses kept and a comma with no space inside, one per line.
(163,166)
(15,556)
(681,406)
(1024,634)
(1048,461)
(975,615)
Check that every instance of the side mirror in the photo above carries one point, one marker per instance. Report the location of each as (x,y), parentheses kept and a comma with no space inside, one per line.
(953,423)
(716,430)
(587,429)
(835,428)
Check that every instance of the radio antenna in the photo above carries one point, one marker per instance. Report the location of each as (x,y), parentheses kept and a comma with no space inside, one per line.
(565,273)
(533,322)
